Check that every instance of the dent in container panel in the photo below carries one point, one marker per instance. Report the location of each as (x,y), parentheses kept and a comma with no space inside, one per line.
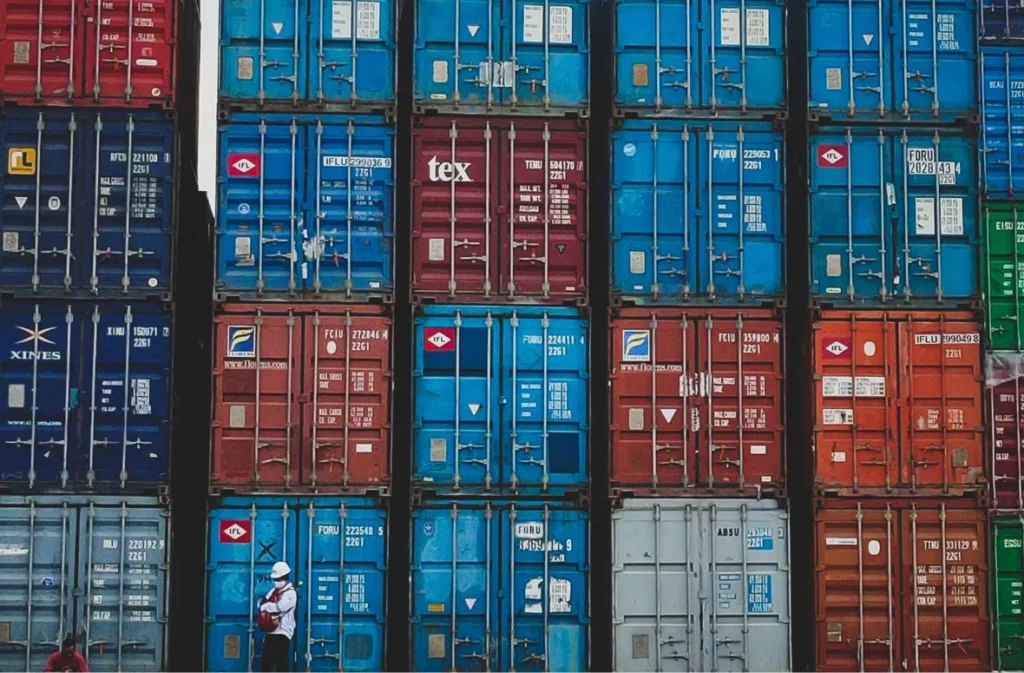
(1003,377)
(697,400)
(901,583)
(898,403)
(1002,122)
(1008,583)
(499,210)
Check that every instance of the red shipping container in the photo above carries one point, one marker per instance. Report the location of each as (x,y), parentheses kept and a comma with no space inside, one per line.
(898,403)
(690,388)
(116,52)
(499,210)
(1004,379)
(302,399)
(901,585)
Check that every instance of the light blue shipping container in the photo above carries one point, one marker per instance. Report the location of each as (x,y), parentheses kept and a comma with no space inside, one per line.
(306,207)
(500,586)
(97,567)
(684,56)
(697,211)
(502,56)
(913,60)
(893,216)
(494,409)
(1002,128)
(301,52)
(337,549)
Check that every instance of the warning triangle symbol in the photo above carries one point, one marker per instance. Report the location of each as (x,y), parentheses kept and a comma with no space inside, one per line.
(277,26)
(22,200)
(473,408)
(868,38)
(473,29)
(668,414)
(470,602)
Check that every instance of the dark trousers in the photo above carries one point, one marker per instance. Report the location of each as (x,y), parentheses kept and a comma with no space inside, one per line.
(276,652)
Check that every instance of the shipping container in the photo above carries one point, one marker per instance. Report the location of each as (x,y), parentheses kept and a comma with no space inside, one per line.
(116,53)
(877,235)
(495,409)
(337,550)
(503,56)
(298,53)
(679,57)
(1003,382)
(87,400)
(1008,588)
(898,403)
(697,211)
(302,399)
(88,203)
(1001,22)
(306,207)
(892,60)
(500,585)
(1002,275)
(697,401)
(670,555)
(98,567)
(499,210)
(1002,123)
(901,585)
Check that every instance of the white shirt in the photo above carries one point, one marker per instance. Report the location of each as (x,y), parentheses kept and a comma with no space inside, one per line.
(285,606)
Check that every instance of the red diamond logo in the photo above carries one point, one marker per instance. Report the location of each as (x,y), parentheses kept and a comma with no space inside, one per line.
(832,156)
(244,165)
(234,531)
(439,339)
(837,348)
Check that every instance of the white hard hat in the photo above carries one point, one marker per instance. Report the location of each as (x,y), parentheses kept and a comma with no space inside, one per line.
(279,570)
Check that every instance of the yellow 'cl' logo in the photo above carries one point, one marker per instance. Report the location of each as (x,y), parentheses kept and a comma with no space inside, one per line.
(21,161)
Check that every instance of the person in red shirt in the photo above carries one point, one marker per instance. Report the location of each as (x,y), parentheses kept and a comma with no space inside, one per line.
(66,659)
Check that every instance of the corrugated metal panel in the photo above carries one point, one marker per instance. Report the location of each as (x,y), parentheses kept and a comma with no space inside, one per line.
(88,202)
(88,395)
(305,207)
(1002,135)
(680,56)
(875,190)
(1003,378)
(1001,275)
(671,555)
(494,409)
(500,585)
(1008,585)
(337,550)
(94,566)
(715,230)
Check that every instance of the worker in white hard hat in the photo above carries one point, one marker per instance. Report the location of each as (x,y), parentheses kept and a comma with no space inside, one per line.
(277,620)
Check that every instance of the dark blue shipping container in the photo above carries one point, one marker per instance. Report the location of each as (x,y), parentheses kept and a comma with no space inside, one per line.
(87,395)
(1002,130)
(337,549)
(876,233)
(94,566)
(305,207)
(87,202)
(502,56)
(305,51)
(715,230)
(1002,22)
(913,60)
(683,56)
(500,586)
(494,408)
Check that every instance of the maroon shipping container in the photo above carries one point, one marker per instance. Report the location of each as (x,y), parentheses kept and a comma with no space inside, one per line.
(901,585)
(302,399)
(113,52)
(499,210)
(697,401)
(1004,379)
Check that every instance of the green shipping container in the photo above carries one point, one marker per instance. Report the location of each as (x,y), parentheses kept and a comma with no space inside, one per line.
(1004,288)
(1008,538)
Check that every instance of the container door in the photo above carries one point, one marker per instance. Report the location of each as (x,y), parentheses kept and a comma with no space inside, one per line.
(260,209)
(244,545)
(544,596)
(342,609)
(851,207)
(656,41)
(127,382)
(40,381)
(745,65)
(350,247)
(1002,134)
(39,49)
(347,360)
(263,49)
(1003,374)
(1003,275)
(545,367)
(123,559)
(37,572)
(353,65)
(548,50)
(1008,561)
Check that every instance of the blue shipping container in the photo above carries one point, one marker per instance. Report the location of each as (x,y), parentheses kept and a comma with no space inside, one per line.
(1002,22)
(715,230)
(500,586)
(337,549)
(893,215)
(679,56)
(305,51)
(88,202)
(502,56)
(305,206)
(892,60)
(87,395)
(494,409)
(97,567)
(1002,129)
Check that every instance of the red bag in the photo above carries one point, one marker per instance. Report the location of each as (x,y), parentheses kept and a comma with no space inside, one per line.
(266,621)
